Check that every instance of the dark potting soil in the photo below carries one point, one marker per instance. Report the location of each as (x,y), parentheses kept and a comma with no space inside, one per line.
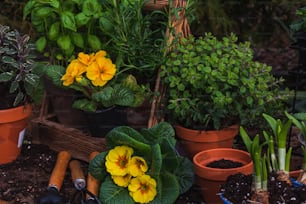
(224,164)
(25,180)
(237,189)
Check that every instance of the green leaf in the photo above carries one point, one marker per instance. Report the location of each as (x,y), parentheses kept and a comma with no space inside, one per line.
(130,137)
(157,161)
(77,39)
(85,105)
(169,189)
(55,73)
(68,21)
(64,42)
(246,139)
(6,76)
(159,132)
(97,166)
(18,98)
(14,87)
(41,44)
(110,193)
(91,7)
(94,42)
(81,19)
(184,174)
(43,12)
(272,122)
(54,31)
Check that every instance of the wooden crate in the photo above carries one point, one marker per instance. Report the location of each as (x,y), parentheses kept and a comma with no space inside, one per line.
(59,137)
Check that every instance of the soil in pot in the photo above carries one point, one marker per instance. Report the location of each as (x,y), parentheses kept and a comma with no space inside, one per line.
(224,164)
(237,189)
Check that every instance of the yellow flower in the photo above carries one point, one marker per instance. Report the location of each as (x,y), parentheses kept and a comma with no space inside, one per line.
(142,189)
(74,72)
(100,53)
(117,160)
(101,71)
(122,181)
(86,59)
(138,166)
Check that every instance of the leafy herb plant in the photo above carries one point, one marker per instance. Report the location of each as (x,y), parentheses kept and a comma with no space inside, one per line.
(19,77)
(214,83)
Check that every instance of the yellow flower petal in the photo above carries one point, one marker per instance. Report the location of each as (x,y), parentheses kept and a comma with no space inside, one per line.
(74,70)
(100,53)
(101,71)
(138,166)
(86,59)
(117,160)
(142,189)
(122,181)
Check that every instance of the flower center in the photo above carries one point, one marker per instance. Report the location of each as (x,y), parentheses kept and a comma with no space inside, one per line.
(122,161)
(144,188)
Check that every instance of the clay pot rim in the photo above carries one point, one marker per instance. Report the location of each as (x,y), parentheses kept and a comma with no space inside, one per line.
(212,135)
(204,171)
(16,113)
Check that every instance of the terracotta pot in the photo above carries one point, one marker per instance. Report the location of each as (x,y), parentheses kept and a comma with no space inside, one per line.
(194,141)
(12,129)
(210,179)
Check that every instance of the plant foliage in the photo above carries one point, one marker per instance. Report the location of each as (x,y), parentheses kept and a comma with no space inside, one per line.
(172,172)
(18,75)
(212,83)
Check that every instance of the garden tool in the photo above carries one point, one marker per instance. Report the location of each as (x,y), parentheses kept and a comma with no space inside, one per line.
(93,185)
(78,179)
(52,195)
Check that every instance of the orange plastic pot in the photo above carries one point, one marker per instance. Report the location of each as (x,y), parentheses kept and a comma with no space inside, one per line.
(194,141)
(209,179)
(12,129)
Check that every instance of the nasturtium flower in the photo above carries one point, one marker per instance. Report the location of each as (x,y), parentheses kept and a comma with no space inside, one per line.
(101,71)
(138,166)
(73,73)
(142,189)
(86,59)
(122,181)
(117,160)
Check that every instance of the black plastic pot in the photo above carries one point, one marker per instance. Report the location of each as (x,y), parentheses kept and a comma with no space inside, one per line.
(102,121)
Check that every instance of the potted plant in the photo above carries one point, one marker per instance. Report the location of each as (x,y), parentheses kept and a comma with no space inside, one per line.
(20,86)
(271,161)
(213,166)
(214,84)
(141,166)
(102,89)
(66,28)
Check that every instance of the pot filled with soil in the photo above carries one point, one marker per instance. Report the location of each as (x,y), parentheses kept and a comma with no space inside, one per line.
(213,166)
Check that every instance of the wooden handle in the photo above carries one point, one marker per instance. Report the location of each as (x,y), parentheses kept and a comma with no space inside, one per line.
(59,170)
(93,184)
(77,174)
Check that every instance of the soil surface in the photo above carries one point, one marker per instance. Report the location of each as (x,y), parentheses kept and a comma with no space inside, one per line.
(238,190)
(25,180)
(224,164)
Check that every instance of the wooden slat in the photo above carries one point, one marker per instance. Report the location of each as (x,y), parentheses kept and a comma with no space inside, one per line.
(59,137)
